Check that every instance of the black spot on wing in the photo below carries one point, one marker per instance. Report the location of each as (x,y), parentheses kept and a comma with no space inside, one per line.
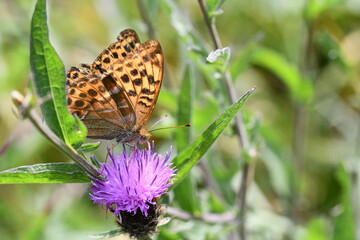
(147,91)
(106,60)
(144,104)
(147,98)
(114,55)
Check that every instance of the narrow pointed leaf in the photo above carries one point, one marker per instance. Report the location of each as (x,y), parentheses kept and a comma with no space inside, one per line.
(49,80)
(185,108)
(45,173)
(192,154)
(88,147)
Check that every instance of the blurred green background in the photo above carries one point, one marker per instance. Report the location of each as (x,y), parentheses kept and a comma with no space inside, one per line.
(303,120)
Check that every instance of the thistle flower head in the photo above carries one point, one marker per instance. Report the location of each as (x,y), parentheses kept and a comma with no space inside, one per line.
(132,181)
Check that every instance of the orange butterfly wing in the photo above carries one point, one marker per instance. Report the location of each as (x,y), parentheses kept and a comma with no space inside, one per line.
(116,95)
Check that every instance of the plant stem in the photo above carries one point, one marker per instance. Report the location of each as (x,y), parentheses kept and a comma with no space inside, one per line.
(244,142)
(227,78)
(70,152)
(26,111)
(210,25)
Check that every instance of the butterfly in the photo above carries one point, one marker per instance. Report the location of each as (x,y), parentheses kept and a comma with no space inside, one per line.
(116,94)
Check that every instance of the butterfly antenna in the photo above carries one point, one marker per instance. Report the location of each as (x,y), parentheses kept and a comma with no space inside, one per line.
(158,121)
(185,125)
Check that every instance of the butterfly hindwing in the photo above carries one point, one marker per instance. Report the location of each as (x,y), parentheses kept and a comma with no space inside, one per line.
(90,100)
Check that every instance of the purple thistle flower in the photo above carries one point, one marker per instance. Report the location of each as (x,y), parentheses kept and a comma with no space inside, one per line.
(132,181)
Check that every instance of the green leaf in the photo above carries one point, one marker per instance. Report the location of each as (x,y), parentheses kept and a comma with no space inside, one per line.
(185,109)
(45,173)
(192,154)
(300,88)
(49,82)
(213,7)
(88,147)
(344,228)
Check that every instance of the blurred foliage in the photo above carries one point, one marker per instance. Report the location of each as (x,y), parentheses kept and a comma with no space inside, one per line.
(302,120)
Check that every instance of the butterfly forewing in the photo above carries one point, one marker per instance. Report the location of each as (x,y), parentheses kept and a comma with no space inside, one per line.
(127,42)
(151,71)
(115,96)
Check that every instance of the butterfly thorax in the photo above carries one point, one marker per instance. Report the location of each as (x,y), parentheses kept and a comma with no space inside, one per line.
(129,137)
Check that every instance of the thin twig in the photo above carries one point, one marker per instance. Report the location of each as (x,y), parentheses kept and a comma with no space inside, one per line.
(71,153)
(227,77)
(210,25)
(244,143)
(228,217)
(145,16)
(228,82)
(246,178)
(26,111)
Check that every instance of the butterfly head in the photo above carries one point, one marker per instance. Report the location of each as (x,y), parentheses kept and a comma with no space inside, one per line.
(144,135)
(130,137)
